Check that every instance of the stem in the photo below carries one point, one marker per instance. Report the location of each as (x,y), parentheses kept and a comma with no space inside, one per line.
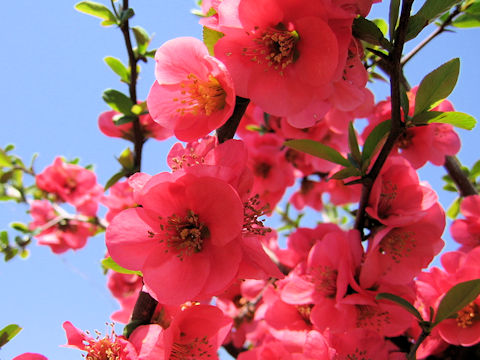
(227,130)
(432,36)
(395,67)
(138,138)
(464,186)
(145,305)
(413,351)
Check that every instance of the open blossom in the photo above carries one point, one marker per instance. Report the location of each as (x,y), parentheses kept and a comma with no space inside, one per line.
(60,235)
(181,238)
(125,288)
(120,198)
(30,356)
(150,128)
(193,93)
(467,231)
(72,184)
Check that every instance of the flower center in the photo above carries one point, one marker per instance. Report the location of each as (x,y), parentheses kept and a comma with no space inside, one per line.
(467,315)
(387,196)
(252,211)
(405,140)
(186,234)
(201,97)
(275,47)
(397,244)
(325,279)
(262,169)
(103,349)
(197,349)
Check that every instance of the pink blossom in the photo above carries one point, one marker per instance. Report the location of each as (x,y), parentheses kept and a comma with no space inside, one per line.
(283,54)
(195,333)
(60,234)
(125,288)
(150,128)
(193,93)
(467,231)
(120,198)
(181,238)
(72,184)
(30,356)
(397,197)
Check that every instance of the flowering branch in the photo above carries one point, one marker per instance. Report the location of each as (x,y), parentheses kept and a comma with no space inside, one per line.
(138,138)
(227,130)
(395,73)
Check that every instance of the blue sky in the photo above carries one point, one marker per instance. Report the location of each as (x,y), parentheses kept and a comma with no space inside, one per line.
(52,80)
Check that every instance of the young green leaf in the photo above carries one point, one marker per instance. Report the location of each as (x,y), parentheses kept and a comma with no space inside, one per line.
(97,10)
(467,21)
(454,208)
(4,159)
(430,10)
(142,38)
(319,150)
(118,68)
(346,173)
(120,119)
(455,118)
(393,17)
(118,101)
(400,301)
(109,263)
(456,299)
(437,85)
(353,144)
(374,140)
(210,38)
(8,333)
(368,31)
(114,179)
(20,227)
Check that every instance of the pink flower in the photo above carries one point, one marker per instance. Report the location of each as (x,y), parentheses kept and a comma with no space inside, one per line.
(150,128)
(195,333)
(71,183)
(181,238)
(284,53)
(193,93)
(467,231)
(30,356)
(62,234)
(120,198)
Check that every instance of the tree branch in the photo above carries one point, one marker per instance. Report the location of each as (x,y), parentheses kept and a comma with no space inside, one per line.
(397,125)
(227,130)
(464,186)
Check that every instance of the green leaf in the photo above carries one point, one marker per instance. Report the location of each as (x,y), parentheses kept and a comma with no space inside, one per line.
(424,117)
(20,227)
(430,10)
(210,38)
(142,38)
(437,85)
(475,171)
(467,21)
(368,31)
(118,68)
(319,150)
(456,299)
(393,17)
(4,159)
(374,141)
(454,208)
(458,119)
(353,144)
(114,179)
(97,10)
(118,101)
(382,25)
(126,14)
(404,101)
(400,301)
(8,333)
(346,173)
(3,239)
(109,263)
(120,119)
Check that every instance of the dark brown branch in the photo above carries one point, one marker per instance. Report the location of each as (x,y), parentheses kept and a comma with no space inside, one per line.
(464,186)
(227,130)
(397,124)
(138,138)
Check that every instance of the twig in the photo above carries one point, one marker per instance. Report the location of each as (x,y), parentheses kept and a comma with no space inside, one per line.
(227,130)
(397,125)
(432,36)
(464,186)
